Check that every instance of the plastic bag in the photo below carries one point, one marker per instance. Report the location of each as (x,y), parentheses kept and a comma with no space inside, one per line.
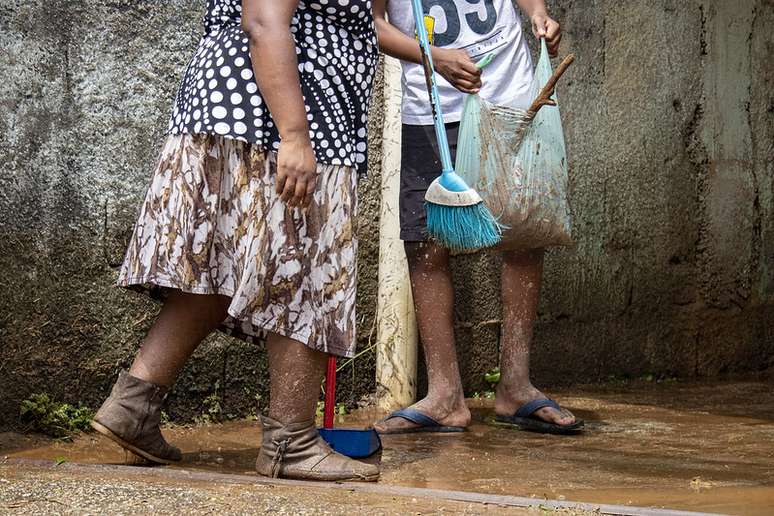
(518,166)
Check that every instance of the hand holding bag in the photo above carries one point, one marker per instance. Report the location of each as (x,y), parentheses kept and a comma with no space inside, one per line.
(517,161)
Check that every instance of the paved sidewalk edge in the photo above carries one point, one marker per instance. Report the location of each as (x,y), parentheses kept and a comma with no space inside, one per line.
(361,487)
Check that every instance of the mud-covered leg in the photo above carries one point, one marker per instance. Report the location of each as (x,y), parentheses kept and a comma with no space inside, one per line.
(291,446)
(521,277)
(132,413)
(185,320)
(295,372)
(433,294)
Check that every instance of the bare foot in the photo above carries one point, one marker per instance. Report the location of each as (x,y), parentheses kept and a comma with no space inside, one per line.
(454,413)
(507,402)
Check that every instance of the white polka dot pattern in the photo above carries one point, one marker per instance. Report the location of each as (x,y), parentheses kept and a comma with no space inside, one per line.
(337,56)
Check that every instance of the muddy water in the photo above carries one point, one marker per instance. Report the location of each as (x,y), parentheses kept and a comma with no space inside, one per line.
(699,447)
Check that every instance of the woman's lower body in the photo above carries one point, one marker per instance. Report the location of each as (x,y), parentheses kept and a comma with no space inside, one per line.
(215,242)
(433,294)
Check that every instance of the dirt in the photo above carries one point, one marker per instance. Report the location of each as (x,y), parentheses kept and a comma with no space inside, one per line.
(695,446)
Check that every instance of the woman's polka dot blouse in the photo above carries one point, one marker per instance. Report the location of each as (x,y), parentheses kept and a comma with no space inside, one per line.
(337,55)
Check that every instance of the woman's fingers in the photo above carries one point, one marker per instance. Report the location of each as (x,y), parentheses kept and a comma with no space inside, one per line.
(289,190)
(298,187)
(296,170)
(299,193)
(282,178)
(311,185)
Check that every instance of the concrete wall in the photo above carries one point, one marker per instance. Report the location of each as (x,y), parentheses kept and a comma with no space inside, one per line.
(669,124)
(668,114)
(85,94)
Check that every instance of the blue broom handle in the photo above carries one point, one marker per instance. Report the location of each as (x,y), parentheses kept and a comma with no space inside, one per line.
(424,45)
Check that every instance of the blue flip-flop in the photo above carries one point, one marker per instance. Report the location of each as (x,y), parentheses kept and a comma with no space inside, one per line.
(425,423)
(526,419)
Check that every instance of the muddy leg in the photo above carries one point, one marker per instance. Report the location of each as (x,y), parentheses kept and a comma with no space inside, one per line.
(295,373)
(434,305)
(521,276)
(132,413)
(184,321)
(291,446)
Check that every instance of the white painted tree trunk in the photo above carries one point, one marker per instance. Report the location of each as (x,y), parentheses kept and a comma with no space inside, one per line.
(396,358)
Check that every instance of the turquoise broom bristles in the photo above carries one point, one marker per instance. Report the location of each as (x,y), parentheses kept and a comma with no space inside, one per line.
(463,228)
(456,216)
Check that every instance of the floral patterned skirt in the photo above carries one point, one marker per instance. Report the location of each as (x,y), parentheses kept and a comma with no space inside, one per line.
(212,223)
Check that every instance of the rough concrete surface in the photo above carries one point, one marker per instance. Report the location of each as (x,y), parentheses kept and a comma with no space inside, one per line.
(45,490)
(669,125)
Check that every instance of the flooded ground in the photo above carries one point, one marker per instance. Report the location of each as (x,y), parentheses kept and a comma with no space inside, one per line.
(702,447)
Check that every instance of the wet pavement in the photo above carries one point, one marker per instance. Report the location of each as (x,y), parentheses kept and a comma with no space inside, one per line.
(700,447)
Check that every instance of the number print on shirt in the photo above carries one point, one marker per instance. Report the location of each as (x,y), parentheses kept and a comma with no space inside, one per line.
(451,15)
(478,25)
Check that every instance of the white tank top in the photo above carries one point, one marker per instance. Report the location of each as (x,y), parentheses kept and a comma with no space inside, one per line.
(479,27)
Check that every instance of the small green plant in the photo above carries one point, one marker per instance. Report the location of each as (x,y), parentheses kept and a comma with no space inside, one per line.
(492,377)
(212,408)
(54,418)
(486,395)
(340,409)
(626,378)
(212,411)
(619,378)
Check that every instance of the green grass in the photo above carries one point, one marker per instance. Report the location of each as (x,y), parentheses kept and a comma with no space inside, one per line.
(43,414)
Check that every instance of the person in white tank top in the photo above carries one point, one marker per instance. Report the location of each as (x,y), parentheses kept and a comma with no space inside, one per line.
(461,33)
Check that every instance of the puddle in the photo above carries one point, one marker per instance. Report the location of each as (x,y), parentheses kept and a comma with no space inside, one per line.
(684,446)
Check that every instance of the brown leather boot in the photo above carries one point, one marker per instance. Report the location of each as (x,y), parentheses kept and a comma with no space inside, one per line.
(131,415)
(297,451)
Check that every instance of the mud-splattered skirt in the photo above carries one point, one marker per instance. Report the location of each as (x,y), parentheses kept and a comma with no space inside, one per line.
(212,223)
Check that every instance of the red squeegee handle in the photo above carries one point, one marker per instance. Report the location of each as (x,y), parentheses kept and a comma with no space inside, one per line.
(330,392)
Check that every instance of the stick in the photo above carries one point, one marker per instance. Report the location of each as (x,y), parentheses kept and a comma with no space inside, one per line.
(330,393)
(544,97)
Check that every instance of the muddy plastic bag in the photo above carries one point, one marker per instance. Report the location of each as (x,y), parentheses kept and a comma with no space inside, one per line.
(518,165)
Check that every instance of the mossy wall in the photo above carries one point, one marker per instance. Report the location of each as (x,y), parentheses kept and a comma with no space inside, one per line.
(668,118)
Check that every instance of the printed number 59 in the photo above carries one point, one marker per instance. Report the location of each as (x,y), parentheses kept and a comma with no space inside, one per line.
(453,19)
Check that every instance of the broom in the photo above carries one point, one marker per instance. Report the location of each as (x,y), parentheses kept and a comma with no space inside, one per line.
(456,215)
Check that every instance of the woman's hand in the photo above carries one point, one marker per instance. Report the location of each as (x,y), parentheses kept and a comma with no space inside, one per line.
(456,66)
(296,171)
(543,26)
(275,66)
